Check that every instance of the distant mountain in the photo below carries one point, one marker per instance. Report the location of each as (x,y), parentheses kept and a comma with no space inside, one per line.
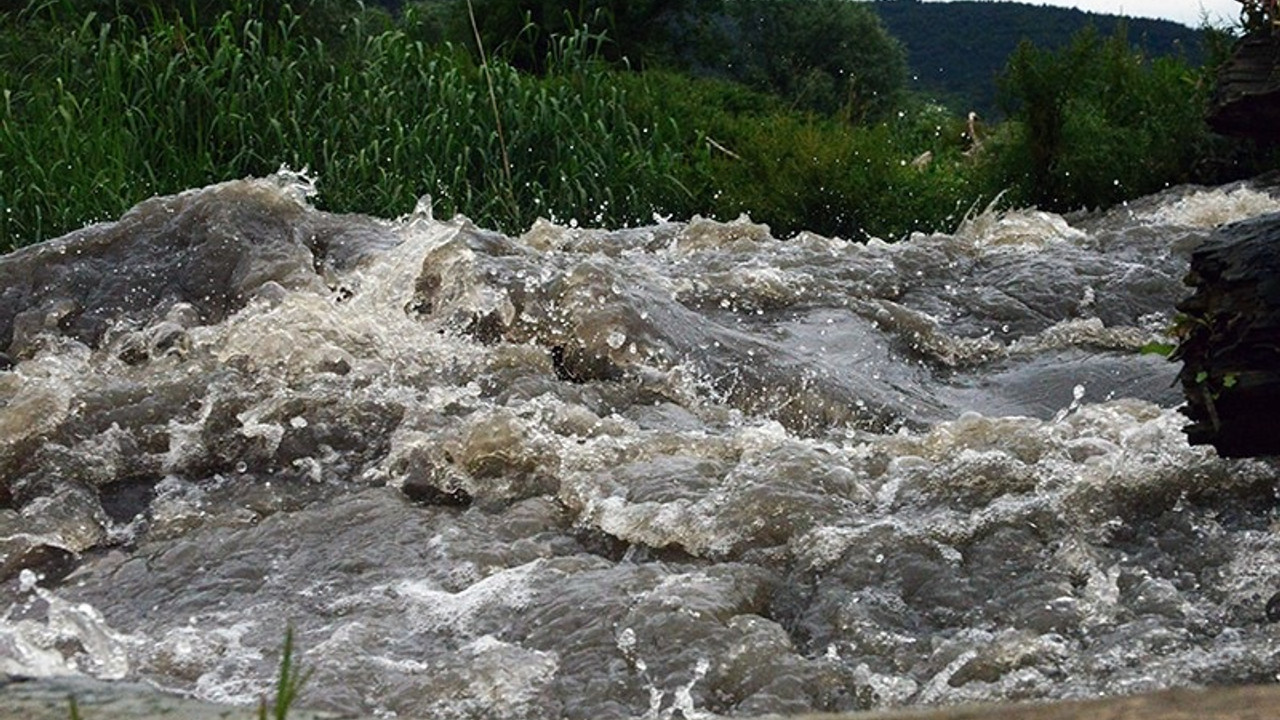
(956,49)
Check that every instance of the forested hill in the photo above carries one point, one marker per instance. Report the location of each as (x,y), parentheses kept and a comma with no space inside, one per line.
(955,49)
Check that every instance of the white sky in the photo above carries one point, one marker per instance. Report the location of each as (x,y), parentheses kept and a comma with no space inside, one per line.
(1187,12)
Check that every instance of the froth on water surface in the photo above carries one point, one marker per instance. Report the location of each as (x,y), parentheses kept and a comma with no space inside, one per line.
(686,469)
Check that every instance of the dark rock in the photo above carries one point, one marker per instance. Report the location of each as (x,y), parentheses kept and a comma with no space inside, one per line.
(423,492)
(1231,340)
(28,552)
(123,500)
(1246,101)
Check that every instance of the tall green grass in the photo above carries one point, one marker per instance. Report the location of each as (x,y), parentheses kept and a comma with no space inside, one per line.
(125,109)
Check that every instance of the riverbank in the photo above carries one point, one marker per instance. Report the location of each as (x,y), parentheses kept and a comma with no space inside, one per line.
(47,699)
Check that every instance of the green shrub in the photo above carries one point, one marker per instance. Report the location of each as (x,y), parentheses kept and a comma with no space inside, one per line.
(822,55)
(525,33)
(825,56)
(800,171)
(835,179)
(1097,122)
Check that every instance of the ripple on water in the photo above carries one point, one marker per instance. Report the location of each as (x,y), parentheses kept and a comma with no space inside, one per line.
(656,472)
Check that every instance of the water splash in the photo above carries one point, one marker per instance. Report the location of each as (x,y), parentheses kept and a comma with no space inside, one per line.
(72,638)
(681,470)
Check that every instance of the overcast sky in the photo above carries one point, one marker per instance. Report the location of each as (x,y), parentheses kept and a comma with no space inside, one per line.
(1187,12)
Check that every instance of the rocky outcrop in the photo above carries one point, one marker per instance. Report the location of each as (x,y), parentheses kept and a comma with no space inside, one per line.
(1246,101)
(1231,340)
(1241,703)
(52,698)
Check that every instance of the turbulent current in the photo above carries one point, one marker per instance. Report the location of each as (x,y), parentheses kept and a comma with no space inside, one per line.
(684,470)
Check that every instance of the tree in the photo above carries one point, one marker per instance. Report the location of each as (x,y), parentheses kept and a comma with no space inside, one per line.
(525,32)
(1101,122)
(827,56)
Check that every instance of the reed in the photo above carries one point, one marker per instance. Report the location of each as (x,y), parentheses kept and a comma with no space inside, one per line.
(124,110)
(289,683)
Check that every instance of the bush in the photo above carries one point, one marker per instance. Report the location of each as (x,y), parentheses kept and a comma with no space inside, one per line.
(823,55)
(525,33)
(800,171)
(839,180)
(1097,122)
(826,56)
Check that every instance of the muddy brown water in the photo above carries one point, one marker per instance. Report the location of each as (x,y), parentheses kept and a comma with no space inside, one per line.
(684,470)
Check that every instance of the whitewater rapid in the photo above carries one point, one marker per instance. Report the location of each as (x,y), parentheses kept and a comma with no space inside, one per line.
(688,469)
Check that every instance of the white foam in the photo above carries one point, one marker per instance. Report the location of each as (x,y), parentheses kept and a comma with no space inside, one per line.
(435,609)
(225,664)
(494,678)
(73,639)
(1214,207)
(1017,229)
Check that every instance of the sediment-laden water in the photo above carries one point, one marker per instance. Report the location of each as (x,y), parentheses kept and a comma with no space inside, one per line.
(686,469)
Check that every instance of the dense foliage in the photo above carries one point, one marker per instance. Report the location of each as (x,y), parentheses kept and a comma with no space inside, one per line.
(116,111)
(103,109)
(829,56)
(524,32)
(1099,122)
(822,55)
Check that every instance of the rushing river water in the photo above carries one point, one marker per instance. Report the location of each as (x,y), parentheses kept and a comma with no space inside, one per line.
(686,469)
